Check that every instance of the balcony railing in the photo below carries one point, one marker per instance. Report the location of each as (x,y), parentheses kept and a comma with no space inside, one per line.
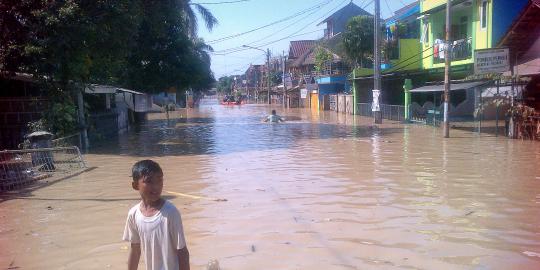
(459,50)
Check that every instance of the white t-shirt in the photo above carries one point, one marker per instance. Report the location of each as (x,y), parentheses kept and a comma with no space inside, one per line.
(274,118)
(160,236)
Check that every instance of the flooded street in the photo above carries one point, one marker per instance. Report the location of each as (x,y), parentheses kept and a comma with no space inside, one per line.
(321,191)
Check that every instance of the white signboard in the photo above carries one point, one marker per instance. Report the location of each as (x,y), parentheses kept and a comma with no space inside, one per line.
(375,105)
(303,93)
(491,61)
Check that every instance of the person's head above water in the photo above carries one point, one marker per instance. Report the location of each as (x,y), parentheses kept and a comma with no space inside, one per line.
(274,112)
(144,169)
(148,180)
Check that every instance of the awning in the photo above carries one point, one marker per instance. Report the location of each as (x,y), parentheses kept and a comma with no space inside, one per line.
(107,89)
(453,87)
(504,91)
(527,68)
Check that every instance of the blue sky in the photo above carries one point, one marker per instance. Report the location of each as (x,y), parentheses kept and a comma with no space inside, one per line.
(236,18)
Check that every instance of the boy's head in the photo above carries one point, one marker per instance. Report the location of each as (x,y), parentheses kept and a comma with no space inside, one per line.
(274,112)
(147,179)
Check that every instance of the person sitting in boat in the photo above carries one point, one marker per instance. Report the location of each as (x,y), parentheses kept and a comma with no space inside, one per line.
(274,118)
(228,98)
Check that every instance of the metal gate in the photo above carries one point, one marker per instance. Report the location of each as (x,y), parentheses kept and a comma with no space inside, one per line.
(19,168)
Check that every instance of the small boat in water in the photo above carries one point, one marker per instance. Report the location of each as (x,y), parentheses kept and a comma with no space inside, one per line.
(231,100)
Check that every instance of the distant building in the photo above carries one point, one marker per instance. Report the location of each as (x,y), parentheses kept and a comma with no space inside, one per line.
(337,22)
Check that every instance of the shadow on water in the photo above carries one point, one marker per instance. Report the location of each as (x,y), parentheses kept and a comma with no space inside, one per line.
(31,198)
(225,135)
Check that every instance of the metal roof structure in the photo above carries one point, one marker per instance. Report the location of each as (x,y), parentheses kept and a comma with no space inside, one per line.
(299,47)
(453,87)
(107,89)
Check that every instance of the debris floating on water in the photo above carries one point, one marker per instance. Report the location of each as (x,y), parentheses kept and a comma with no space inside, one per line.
(213,265)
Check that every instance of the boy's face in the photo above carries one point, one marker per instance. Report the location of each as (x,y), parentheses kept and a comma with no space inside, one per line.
(150,187)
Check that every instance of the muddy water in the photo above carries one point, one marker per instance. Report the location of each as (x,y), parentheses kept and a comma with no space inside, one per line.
(322,191)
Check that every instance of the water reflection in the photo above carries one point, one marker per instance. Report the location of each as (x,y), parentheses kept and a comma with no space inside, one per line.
(216,129)
(321,191)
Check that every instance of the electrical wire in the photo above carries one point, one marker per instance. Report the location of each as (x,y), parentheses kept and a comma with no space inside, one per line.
(388,6)
(368,4)
(219,3)
(234,50)
(270,24)
(282,29)
(238,49)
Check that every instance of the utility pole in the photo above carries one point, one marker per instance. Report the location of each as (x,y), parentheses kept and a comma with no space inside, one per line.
(284,82)
(267,52)
(447,62)
(375,107)
(82,121)
(268,73)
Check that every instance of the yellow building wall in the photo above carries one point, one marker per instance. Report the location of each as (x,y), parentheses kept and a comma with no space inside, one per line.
(430,4)
(481,38)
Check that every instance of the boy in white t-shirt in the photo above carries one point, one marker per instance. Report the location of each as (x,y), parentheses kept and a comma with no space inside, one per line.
(154,225)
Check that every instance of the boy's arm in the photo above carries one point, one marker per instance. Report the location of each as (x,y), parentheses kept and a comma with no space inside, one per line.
(134,256)
(183,259)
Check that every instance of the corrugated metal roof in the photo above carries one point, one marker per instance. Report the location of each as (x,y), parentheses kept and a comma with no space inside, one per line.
(107,89)
(348,11)
(299,47)
(308,58)
(453,87)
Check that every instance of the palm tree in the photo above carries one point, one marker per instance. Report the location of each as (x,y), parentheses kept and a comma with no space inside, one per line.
(191,18)
(202,50)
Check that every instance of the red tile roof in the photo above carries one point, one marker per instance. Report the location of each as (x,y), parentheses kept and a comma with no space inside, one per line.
(299,47)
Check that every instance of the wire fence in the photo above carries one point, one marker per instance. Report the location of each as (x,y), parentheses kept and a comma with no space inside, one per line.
(70,140)
(390,112)
(19,168)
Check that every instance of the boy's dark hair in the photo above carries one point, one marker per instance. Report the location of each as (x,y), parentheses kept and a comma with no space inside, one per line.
(145,168)
(273,111)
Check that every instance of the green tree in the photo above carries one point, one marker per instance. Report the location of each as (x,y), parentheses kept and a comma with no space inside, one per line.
(224,84)
(358,39)
(322,56)
(147,45)
(65,44)
(190,18)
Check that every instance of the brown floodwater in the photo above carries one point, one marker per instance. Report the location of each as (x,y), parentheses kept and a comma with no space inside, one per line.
(321,191)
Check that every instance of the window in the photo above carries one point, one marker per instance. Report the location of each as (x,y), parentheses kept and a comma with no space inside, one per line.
(424,38)
(483,14)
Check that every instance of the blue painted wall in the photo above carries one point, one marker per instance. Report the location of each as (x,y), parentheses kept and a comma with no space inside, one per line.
(330,88)
(341,79)
(504,14)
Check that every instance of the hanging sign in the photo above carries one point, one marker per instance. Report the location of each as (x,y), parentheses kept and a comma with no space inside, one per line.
(375,105)
(303,93)
(491,61)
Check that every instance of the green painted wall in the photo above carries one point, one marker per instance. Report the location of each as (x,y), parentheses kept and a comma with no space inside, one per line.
(409,58)
(480,38)
(409,55)
(436,30)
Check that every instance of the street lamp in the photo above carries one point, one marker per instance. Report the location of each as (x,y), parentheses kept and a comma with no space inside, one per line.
(267,52)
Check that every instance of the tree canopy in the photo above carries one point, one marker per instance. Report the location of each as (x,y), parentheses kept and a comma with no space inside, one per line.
(147,45)
(358,39)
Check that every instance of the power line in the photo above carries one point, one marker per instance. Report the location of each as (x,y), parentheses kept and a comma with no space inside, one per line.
(367,5)
(239,49)
(219,3)
(270,24)
(388,6)
(243,66)
(234,50)
(292,24)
